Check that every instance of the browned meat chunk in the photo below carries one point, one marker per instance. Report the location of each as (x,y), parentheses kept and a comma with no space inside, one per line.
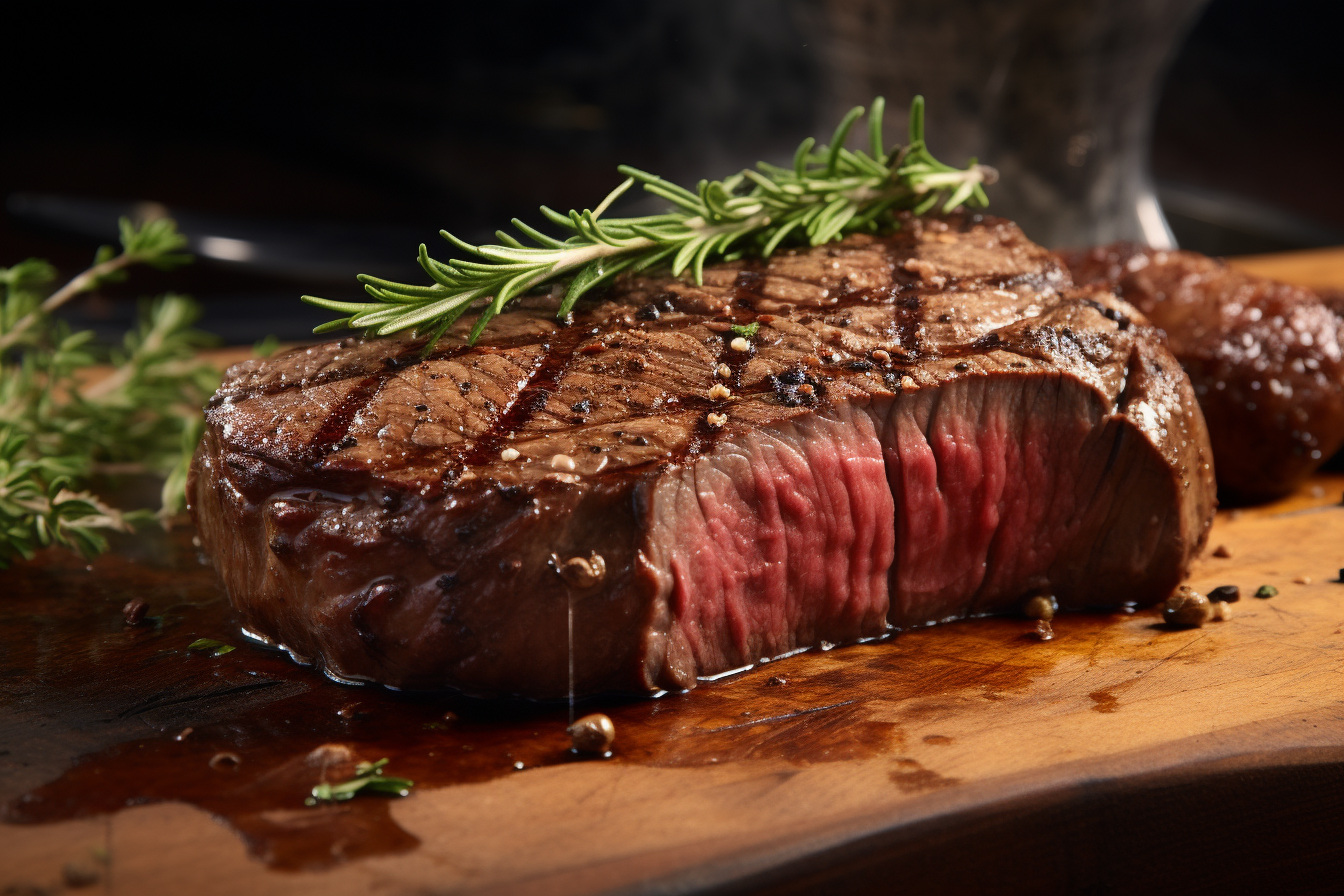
(924,427)
(1266,360)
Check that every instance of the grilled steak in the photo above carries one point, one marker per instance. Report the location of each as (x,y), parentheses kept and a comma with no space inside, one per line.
(926,427)
(1266,359)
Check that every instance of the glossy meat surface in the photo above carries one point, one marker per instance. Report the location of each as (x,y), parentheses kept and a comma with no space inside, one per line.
(924,427)
(1266,359)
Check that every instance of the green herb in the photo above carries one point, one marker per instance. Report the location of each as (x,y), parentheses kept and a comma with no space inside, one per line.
(368,779)
(60,425)
(219,648)
(748,331)
(1266,591)
(266,347)
(829,192)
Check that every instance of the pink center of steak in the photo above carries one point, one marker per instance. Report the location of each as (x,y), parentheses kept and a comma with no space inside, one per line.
(921,508)
(783,538)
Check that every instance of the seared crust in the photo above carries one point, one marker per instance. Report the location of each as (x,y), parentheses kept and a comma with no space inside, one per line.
(1266,359)
(403,519)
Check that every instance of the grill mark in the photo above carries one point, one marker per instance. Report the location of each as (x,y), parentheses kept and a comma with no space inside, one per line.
(560,346)
(557,353)
(337,423)
(549,370)
(704,437)
(744,292)
(369,367)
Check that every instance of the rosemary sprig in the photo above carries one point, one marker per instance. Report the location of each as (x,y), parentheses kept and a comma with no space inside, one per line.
(368,778)
(60,426)
(829,192)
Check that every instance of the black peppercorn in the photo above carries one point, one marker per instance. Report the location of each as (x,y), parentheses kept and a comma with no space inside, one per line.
(134,611)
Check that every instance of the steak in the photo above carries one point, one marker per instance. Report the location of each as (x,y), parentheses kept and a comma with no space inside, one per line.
(1266,359)
(925,427)
(1334,300)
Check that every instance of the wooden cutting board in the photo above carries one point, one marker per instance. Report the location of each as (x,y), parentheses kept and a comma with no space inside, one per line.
(1120,756)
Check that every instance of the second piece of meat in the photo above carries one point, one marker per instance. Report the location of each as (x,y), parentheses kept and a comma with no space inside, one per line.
(1266,359)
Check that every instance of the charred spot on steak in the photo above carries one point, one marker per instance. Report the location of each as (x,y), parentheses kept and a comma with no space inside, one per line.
(749,281)
(796,387)
(666,301)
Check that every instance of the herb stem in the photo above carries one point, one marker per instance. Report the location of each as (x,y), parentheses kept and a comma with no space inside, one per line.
(81,283)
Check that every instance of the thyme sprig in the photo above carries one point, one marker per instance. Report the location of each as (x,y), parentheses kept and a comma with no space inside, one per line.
(61,424)
(156,243)
(830,191)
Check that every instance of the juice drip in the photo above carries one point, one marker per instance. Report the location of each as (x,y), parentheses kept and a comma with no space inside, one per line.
(571,658)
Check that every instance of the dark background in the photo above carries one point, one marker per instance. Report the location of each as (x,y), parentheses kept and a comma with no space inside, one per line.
(345,140)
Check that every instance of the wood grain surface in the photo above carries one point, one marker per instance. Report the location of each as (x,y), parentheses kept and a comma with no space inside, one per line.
(1121,756)
(1312,268)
